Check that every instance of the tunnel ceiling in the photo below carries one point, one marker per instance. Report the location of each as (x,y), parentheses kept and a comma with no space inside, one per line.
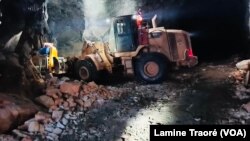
(216,26)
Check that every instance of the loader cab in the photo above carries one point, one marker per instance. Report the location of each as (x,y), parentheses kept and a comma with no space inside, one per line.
(123,34)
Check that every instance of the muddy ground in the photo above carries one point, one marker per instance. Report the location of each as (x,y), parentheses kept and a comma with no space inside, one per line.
(202,95)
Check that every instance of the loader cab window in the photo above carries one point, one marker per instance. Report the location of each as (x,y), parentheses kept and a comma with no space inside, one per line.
(124,34)
(121,27)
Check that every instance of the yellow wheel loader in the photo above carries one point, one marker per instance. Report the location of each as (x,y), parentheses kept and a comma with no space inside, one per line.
(135,49)
(48,61)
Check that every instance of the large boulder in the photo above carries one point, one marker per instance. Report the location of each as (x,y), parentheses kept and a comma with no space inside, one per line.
(14,110)
(243,65)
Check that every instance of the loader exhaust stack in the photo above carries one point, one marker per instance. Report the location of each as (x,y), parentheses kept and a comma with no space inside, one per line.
(154,21)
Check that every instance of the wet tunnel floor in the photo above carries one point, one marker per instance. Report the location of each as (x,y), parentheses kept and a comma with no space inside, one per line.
(209,101)
(210,97)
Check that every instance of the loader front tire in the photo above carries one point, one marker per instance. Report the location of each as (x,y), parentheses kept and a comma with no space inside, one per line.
(87,70)
(150,68)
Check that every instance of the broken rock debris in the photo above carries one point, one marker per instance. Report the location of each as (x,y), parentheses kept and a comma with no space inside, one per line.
(241,76)
(62,98)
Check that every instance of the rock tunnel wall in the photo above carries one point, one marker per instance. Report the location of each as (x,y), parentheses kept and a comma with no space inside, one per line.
(66,22)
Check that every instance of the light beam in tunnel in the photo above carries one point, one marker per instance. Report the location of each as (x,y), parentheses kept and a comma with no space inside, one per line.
(98,11)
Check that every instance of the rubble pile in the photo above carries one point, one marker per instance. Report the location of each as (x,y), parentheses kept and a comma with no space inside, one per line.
(241,77)
(243,94)
(240,73)
(7,138)
(63,99)
(237,76)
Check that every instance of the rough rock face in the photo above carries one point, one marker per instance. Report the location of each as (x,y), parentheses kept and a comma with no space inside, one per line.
(66,22)
(14,111)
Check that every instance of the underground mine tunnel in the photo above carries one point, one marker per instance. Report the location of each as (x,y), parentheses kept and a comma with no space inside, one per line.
(76,110)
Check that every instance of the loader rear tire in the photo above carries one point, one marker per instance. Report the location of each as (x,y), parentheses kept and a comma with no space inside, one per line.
(86,70)
(150,68)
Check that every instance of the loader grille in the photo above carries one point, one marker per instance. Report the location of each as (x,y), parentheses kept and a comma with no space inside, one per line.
(173,46)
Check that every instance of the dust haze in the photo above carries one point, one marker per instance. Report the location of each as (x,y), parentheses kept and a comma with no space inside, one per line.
(98,14)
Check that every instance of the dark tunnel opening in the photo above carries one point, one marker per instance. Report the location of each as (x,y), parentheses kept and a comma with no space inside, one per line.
(218,28)
(222,27)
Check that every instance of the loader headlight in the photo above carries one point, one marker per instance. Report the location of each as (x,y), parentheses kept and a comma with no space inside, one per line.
(108,20)
(134,17)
